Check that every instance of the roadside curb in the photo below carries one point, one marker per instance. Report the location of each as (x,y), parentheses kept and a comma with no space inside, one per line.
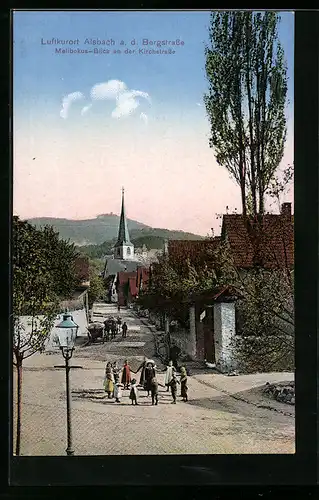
(240,398)
(155,333)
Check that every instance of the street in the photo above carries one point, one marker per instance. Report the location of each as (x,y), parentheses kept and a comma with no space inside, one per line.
(224,415)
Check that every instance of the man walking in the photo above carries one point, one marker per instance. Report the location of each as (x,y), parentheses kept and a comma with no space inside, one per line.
(124,330)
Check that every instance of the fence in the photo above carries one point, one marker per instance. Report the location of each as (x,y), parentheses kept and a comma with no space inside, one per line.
(71,305)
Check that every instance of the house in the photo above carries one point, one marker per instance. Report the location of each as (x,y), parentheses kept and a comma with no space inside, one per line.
(142,279)
(125,287)
(82,271)
(267,243)
(198,252)
(132,291)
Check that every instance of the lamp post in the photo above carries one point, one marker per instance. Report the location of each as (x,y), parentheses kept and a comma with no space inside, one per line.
(66,339)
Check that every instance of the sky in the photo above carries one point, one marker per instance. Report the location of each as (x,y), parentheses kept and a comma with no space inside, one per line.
(87,123)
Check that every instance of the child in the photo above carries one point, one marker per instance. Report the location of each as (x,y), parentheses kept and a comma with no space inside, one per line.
(173,385)
(154,391)
(118,392)
(133,392)
(184,387)
(116,372)
(170,369)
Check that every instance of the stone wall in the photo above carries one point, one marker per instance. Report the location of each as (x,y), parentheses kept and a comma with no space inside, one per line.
(71,305)
(185,341)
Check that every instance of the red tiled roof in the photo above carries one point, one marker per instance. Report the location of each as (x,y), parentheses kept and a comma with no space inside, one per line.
(199,252)
(269,243)
(215,294)
(82,268)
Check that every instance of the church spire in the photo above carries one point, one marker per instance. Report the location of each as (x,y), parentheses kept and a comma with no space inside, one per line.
(123,235)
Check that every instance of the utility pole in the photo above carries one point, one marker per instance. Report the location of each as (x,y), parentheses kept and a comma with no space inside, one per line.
(67,357)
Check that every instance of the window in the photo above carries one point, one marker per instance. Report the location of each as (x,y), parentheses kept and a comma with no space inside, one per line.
(128,251)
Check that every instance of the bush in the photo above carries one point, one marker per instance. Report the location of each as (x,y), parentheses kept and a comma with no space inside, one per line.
(263,354)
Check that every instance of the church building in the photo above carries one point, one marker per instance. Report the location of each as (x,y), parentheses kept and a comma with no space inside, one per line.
(123,248)
(123,258)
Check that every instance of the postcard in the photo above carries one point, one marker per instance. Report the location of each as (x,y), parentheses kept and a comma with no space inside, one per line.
(153,247)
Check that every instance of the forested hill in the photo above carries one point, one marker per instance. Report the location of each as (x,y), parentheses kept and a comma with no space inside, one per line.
(104,229)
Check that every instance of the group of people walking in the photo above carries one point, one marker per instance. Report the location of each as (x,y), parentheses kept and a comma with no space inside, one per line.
(118,379)
(113,326)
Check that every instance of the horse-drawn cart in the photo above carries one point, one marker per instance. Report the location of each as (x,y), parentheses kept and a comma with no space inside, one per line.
(96,331)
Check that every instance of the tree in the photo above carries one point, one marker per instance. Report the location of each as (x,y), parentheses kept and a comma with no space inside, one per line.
(246,99)
(280,182)
(97,288)
(42,266)
(60,257)
(173,282)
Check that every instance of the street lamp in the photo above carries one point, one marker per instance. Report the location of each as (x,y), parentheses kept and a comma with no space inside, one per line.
(66,340)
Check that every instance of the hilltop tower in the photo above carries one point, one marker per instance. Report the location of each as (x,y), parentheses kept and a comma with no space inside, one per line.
(124,248)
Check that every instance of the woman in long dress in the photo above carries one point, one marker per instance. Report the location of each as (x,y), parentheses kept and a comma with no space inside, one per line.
(150,373)
(109,380)
(142,367)
(170,370)
(126,375)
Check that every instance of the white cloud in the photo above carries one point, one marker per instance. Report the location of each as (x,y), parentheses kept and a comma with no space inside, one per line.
(127,100)
(86,109)
(107,90)
(67,101)
(198,104)
(144,118)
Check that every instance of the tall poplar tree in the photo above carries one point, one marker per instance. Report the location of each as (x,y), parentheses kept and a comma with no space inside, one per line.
(245,103)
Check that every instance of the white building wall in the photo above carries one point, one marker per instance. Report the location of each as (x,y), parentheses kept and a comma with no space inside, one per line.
(192,333)
(114,296)
(224,331)
(79,317)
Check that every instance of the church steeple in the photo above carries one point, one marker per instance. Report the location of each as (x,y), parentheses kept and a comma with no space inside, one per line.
(123,235)
(124,249)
